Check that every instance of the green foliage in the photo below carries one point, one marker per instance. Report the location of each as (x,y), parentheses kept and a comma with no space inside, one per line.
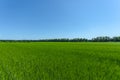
(97,39)
(59,61)
(102,39)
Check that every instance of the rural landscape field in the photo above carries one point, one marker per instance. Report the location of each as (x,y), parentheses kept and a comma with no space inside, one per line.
(59,61)
(59,39)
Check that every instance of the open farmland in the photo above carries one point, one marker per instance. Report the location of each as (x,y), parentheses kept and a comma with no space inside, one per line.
(59,61)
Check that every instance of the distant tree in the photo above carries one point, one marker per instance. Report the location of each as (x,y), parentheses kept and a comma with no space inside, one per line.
(116,39)
(79,40)
(101,39)
(97,39)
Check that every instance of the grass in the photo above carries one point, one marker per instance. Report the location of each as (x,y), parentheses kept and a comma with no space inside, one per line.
(59,61)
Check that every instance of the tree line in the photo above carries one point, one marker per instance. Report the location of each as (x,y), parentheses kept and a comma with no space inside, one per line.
(96,39)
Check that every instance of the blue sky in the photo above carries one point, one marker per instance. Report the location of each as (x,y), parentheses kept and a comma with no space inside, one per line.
(37,19)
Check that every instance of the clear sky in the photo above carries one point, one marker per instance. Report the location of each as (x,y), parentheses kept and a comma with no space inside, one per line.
(37,19)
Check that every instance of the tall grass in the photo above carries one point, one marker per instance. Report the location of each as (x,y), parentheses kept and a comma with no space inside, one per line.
(59,61)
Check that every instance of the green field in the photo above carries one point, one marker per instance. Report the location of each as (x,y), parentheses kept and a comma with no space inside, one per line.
(59,61)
